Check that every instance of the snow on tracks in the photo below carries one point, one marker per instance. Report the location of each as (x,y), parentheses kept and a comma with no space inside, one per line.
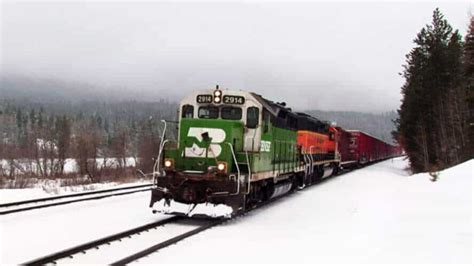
(20,206)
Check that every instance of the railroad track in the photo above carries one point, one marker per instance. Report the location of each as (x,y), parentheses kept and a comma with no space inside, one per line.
(92,252)
(192,227)
(26,205)
(105,250)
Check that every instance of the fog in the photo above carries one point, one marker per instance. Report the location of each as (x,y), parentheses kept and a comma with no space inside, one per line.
(328,56)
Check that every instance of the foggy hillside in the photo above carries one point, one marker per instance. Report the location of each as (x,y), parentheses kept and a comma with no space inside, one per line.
(378,125)
(40,89)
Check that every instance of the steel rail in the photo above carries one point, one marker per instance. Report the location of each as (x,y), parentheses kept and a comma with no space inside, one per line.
(16,203)
(70,201)
(166,243)
(178,238)
(81,248)
(115,237)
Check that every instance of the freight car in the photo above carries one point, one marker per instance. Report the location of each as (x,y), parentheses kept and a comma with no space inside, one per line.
(236,149)
(364,148)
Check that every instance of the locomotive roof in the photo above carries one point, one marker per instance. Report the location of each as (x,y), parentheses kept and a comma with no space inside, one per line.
(311,118)
(271,106)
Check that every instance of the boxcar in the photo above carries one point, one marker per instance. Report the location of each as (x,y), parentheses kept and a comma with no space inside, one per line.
(364,148)
(345,143)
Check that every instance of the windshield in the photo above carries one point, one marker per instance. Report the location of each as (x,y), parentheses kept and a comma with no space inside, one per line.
(208,112)
(231,113)
(227,112)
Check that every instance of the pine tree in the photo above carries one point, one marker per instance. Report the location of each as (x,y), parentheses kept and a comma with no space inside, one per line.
(468,62)
(430,127)
(63,138)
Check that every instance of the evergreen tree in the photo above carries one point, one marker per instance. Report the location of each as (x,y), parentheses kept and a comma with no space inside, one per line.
(468,61)
(430,126)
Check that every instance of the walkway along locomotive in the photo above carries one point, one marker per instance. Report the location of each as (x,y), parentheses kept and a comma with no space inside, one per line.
(236,148)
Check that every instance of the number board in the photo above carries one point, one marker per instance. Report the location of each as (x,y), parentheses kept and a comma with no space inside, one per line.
(204,98)
(231,99)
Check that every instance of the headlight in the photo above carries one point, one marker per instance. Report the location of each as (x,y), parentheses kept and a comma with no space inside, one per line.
(168,163)
(222,167)
(217,96)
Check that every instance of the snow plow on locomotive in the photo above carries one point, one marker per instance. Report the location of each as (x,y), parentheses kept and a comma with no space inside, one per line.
(236,149)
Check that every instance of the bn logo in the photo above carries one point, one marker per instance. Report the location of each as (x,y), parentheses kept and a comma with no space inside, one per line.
(216,136)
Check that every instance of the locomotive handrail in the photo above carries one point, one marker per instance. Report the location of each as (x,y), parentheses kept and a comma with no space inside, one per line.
(238,169)
(306,171)
(249,172)
(312,160)
(163,134)
(156,167)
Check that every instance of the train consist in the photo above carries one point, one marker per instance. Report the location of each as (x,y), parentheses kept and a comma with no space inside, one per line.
(236,149)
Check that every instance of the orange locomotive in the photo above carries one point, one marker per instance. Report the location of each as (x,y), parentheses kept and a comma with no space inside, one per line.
(318,143)
(316,137)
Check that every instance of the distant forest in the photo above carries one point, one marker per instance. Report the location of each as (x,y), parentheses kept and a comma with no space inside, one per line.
(48,122)
(377,125)
(44,122)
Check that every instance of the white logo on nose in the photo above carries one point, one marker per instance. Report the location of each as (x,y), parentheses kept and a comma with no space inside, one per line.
(216,135)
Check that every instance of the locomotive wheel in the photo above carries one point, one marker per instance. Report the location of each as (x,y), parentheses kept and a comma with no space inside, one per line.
(335,170)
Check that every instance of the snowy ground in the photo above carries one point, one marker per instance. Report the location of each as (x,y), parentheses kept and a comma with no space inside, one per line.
(32,234)
(378,214)
(54,189)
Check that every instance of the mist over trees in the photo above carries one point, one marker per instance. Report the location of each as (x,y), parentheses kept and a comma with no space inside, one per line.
(434,127)
(43,89)
(378,125)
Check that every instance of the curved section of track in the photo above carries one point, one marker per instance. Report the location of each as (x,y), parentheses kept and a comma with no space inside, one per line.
(20,206)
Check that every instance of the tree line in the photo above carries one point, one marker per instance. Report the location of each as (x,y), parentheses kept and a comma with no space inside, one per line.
(435,124)
(38,139)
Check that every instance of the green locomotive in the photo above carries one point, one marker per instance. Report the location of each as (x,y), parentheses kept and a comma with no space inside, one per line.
(234,149)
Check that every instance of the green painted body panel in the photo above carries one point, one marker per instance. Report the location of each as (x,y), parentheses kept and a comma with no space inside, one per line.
(281,156)
(233,134)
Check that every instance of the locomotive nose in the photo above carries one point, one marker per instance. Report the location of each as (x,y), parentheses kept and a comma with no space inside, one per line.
(189,194)
(194,193)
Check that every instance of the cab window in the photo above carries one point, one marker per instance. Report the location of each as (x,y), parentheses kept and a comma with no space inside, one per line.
(266,120)
(231,113)
(187,111)
(209,112)
(252,117)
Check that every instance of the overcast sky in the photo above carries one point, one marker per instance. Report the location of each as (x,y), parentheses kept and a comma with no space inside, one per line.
(317,55)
